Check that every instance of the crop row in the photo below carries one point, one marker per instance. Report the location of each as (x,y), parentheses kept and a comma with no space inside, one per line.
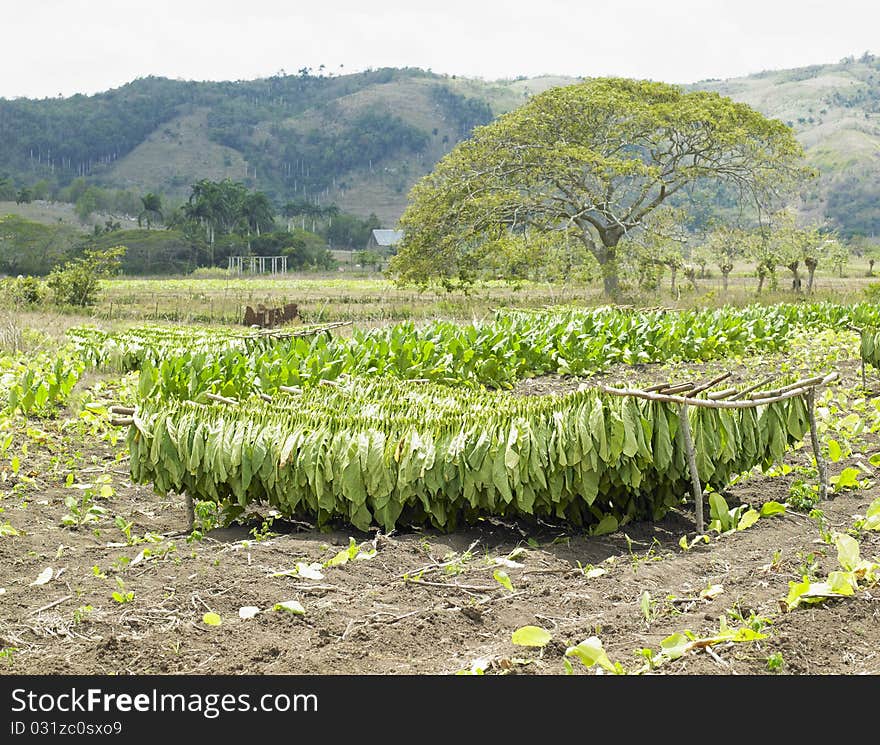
(494,353)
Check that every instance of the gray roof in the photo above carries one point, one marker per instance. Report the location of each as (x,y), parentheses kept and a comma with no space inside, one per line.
(387,237)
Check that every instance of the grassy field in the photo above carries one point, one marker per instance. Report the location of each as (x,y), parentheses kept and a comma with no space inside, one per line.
(370,298)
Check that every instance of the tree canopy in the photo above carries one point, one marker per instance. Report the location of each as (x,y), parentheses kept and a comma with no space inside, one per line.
(593,160)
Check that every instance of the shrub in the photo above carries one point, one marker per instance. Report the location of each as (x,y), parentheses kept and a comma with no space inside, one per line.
(78,281)
(24,290)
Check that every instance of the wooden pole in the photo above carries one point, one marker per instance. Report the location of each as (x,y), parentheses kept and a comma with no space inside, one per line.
(696,488)
(814,441)
(739,404)
(190,512)
(710,383)
(751,388)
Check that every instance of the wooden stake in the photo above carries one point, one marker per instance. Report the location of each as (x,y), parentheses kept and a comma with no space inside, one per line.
(221,399)
(718,395)
(696,488)
(709,383)
(190,512)
(814,441)
(756,386)
(677,388)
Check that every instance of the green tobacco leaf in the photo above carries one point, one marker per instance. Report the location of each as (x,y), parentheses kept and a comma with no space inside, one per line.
(501,577)
(795,591)
(674,645)
(848,554)
(834,451)
(590,652)
(746,634)
(606,525)
(720,512)
(212,619)
(847,479)
(749,518)
(645,604)
(344,556)
(872,517)
(531,636)
(841,583)
(874,460)
(291,606)
(772,508)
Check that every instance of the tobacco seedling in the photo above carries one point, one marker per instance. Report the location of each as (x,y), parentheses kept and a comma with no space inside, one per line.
(8,653)
(264,532)
(84,510)
(775,662)
(122,596)
(824,533)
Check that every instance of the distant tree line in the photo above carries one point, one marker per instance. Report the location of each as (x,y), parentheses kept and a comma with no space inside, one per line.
(219,219)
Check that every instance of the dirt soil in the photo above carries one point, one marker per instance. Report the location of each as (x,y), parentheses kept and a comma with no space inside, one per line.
(426,602)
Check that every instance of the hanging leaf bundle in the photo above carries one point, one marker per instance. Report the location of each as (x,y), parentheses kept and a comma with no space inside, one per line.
(870,346)
(383,452)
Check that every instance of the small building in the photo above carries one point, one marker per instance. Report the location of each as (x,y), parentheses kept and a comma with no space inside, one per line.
(384,240)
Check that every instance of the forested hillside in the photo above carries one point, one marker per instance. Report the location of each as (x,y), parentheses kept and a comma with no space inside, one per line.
(361,140)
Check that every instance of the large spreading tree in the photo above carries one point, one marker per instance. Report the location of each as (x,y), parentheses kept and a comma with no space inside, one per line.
(594,160)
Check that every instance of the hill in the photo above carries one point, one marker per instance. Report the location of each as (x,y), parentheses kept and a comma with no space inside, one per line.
(361,140)
(835,112)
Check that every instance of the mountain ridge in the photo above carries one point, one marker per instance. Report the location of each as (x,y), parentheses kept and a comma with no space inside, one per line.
(361,140)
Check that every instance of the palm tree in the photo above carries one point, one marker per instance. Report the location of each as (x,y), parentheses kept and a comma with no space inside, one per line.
(256,214)
(152,209)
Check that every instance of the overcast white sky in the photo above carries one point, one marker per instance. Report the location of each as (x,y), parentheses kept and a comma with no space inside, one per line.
(49,47)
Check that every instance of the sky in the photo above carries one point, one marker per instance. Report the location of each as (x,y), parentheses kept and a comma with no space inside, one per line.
(62,47)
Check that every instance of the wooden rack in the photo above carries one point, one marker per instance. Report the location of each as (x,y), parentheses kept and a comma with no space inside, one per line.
(730,398)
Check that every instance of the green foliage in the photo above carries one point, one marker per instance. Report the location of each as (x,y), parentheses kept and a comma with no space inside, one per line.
(45,383)
(304,250)
(122,595)
(23,291)
(869,346)
(28,247)
(531,636)
(855,574)
(381,452)
(466,112)
(78,281)
(538,167)
(372,134)
(775,662)
(494,353)
(153,252)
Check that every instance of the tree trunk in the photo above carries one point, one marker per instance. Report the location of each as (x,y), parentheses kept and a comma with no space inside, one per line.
(811,265)
(609,278)
(796,276)
(606,255)
(673,270)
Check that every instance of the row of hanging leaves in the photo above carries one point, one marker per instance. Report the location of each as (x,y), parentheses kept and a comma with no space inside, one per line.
(382,452)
